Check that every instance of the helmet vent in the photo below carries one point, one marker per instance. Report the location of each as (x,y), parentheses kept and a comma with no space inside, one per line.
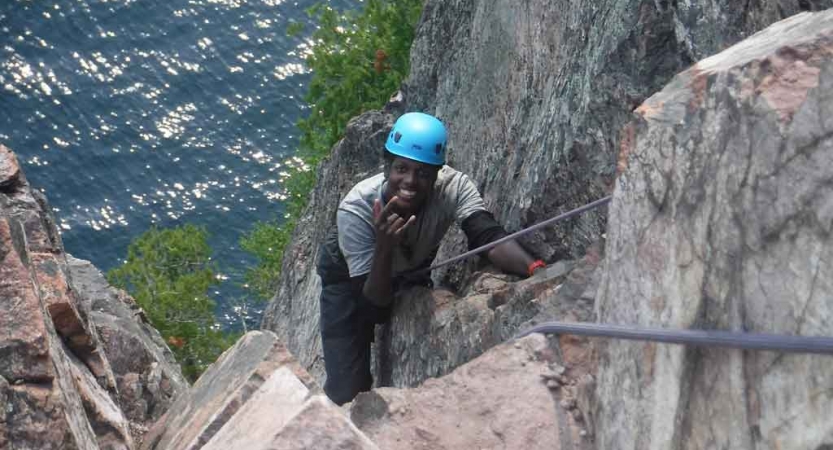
(397,137)
(438,149)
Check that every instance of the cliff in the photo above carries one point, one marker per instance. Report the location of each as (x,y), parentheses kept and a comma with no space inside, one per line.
(535,95)
(79,368)
(714,140)
(722,219)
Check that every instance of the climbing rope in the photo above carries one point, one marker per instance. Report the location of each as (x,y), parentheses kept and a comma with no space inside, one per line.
(709,338)
(489,246)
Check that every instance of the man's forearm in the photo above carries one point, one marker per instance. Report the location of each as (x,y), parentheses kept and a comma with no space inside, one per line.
(378,288)
(511,257)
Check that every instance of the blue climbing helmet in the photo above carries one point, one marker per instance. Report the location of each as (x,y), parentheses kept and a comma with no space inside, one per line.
(418,136)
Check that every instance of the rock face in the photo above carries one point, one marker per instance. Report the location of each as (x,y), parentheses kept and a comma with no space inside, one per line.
(722,219)
(535,95)
(74,356)
(55,384)
(432,332)
(147,376)
(293,313)
(510,397)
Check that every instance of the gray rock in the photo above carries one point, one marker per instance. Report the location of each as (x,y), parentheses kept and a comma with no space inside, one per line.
(293,312)
(722,219)
(55,380)
(497,401)
(111,427)
(147,375)
(535,94)
(281,414)
(432,332)
(226,386)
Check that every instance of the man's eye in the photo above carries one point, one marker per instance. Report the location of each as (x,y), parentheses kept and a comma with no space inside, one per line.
(401,169)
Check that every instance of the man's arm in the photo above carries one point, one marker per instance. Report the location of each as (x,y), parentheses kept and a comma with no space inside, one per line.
(481,228)
(511,257)
(378,287)
(390,228)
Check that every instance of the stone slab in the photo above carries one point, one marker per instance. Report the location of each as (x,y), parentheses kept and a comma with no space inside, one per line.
(277,401)
(320,425)
(196,416)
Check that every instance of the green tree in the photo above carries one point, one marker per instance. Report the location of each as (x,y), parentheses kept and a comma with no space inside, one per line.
(358,60)
(169,272)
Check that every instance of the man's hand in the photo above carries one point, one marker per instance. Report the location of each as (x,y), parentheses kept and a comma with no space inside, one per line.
(511,257)
(390,226)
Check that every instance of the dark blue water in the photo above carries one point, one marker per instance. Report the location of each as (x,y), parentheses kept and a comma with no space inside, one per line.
(128,113)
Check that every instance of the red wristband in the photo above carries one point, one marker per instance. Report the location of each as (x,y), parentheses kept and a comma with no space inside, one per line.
(535,265)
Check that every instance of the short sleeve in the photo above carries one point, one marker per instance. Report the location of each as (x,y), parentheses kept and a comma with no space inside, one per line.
(357,240)
(469,200)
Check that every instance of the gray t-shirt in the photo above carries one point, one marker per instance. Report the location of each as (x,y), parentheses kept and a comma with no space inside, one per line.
(454,198)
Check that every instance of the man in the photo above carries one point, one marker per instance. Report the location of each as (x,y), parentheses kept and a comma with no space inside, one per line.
(387,226)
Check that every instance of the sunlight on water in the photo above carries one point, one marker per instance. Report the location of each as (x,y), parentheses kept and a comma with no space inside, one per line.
(129,114)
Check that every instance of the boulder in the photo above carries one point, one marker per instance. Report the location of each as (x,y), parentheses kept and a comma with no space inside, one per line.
(722,219)
(225,387)
(9,170)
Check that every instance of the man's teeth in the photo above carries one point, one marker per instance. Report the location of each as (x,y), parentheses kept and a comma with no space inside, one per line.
(406,193)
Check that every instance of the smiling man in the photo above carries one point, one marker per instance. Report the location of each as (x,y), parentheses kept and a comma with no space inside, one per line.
(386,227)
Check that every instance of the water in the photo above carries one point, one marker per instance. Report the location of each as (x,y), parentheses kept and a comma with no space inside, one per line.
(128,113)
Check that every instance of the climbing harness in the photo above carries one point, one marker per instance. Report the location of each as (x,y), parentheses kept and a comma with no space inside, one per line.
(709,338)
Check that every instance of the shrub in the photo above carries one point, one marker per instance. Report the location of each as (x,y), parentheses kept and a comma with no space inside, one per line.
(169,272)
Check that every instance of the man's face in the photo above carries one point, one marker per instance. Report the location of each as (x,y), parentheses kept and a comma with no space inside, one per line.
(411,181)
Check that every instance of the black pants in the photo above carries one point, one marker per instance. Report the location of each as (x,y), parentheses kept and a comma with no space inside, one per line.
(347,324)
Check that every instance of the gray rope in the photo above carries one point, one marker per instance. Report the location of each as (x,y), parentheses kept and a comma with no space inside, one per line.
(517,234)
(712,338)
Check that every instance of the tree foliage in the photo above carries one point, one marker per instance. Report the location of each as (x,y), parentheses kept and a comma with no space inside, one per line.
(168,272)
(358,60)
